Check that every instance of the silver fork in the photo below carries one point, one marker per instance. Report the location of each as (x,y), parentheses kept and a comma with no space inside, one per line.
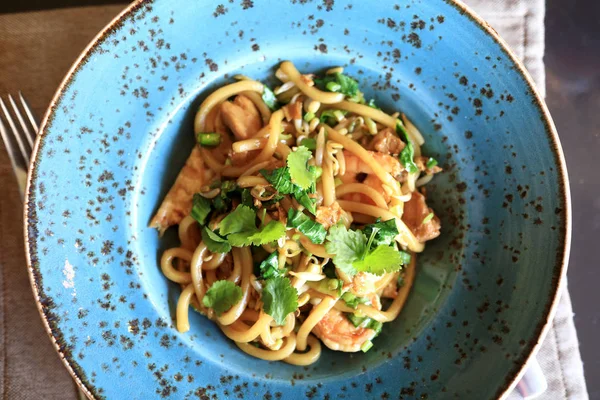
(19,141)
(19,144)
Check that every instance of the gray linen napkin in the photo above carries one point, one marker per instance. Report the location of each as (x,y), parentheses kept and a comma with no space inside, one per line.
(36,51)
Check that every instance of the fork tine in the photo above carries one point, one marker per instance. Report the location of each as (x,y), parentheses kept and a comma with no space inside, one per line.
(16,133)
(29,113)
(13,155)
(28,135)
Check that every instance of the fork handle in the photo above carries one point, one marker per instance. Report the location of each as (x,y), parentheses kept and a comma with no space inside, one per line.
(533,383)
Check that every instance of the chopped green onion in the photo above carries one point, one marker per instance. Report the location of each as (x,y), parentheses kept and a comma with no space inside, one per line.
(428,218)
(432,162)
(332,287)
(356,320)
(309,143)
(317,171)
(348,297)
(376,326)
(337,181)
(352,126)
(209,139)
(338,114)
(269,98)
(200,208)
(366,346)
(333,86)
(309,116)
(333,284)
(285,137)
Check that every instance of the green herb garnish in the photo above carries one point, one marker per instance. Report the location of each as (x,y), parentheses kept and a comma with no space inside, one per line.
(209,139)
(407,155)
(279,298)
(221,296)
(312,229)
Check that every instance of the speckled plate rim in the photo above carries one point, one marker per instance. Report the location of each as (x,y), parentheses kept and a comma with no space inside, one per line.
(560,269)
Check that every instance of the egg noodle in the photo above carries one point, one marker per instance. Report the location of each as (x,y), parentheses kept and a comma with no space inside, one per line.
(299,213)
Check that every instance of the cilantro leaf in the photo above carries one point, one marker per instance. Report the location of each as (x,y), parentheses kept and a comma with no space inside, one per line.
(407,155)
(309,143)
(347,246)
(222,202)
(338,83)
(352,254)
(214,242)
(302,198)
(279,298)
(432,162)
(200,208)
(331,117)
(280,179)
(269,268)
(297,163)
(221,296)
(247,198)
(380,261)
(269,98)
(268,234)
(282,182)
(386,232)
(243,218)
(312,229)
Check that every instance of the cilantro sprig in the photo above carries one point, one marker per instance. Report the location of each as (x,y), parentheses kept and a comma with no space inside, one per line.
(221,296)
(297,178)
(240,228)
(297,162)
(269,98)
(312,229)
(269,267)
(338,83)
(407,155)
(215,242)
(353,253)
(279,298)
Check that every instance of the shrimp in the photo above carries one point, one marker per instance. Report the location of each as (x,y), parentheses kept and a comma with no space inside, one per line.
(365,284)
(339,334)
(391,289)
(178,202)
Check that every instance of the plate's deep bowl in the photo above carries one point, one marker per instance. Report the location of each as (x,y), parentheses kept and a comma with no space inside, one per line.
(121,127)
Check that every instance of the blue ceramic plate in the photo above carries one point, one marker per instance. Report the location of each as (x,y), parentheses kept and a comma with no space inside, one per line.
(120,128)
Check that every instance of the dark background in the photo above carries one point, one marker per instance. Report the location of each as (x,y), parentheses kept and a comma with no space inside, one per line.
(573,95)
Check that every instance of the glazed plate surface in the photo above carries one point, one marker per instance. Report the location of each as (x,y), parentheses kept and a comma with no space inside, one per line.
(120,129)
